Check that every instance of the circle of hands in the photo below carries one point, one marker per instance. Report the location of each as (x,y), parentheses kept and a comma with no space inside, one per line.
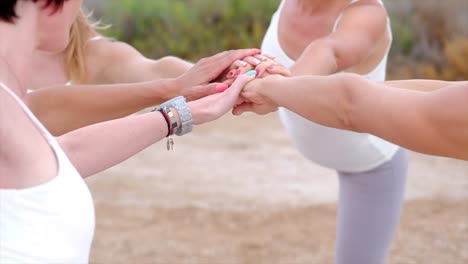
(219,83)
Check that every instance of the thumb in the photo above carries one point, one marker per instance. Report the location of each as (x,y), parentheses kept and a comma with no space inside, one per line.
(241,81)
(242,108)
(201,91)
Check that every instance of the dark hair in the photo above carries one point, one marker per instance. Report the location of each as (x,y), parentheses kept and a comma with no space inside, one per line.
(7,8)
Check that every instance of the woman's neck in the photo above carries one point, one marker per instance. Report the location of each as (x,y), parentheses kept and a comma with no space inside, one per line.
(17,49)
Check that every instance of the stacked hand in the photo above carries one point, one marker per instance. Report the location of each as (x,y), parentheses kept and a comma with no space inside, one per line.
(224,81)
(251,99)
(205,77)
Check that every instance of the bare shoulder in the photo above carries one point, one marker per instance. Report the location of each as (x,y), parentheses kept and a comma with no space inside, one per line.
(370,12)
(102,54)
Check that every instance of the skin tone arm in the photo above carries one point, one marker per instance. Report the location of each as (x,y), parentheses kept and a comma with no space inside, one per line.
(113,62)
(361,26)
(63,109)
(434,122)
(101,146)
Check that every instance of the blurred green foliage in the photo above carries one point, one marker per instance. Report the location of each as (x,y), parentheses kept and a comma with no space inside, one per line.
(423,34)
(190,29)
(403,41)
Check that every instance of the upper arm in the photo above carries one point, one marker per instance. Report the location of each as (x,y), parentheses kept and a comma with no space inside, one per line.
(118,62)
(433,123)
(360,33)
(360,28)
(447,111)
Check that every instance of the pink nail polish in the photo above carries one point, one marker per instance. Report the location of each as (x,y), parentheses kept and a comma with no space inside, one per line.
(221,88)
(230,74)
(238,72)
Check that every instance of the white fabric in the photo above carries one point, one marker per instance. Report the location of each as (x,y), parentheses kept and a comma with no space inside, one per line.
(337,149)
(50,223)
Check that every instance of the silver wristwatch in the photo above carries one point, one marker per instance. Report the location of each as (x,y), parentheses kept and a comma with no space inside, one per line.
(185,115)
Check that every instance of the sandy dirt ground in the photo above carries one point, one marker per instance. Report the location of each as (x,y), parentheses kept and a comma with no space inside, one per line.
(236,191)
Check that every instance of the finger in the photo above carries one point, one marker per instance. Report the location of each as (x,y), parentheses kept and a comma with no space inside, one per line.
(201,91)
(261,57)
(252,60)
(242,108)
(241,81)
(235,89)
(226,58)
(281,70)
(232,74)
(229,82)
(261,68)
(239,63)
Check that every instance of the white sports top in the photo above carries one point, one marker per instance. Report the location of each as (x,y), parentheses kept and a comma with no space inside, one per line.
(50,223)
(337,149)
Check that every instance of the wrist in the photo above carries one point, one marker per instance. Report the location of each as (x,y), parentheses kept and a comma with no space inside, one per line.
(177,116)
(269,85)
(196,113)
(166,89)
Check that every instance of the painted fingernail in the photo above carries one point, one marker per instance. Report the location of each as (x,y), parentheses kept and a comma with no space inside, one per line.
(230,74)
(251,73)
(256,61)
(258,74)
(243,63)
(238,72)
(221,88)
(263,58)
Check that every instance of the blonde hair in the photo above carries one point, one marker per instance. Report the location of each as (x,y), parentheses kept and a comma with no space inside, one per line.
(81,32)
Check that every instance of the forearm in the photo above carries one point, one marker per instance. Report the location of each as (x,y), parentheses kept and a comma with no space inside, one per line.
(95,148)
(63,109)
(322,99)
(319,58)
(408,118)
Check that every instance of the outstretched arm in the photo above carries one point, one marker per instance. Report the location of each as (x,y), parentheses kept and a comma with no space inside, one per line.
(63,109)
(98,147)
(428,122)
(113,62)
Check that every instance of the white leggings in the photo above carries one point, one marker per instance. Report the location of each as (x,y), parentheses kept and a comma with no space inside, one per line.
(369,211)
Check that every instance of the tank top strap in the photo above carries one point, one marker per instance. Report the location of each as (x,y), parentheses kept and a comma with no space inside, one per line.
(95,38)
(31,116)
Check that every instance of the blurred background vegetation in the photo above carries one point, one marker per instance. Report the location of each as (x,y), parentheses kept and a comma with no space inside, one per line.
(430,36)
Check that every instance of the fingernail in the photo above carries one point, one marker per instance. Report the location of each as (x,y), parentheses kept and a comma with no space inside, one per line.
(221,88)
(256,62)
(238,72)
(263,57)
(230,74)
(243,63)
(251,73)
(258,74)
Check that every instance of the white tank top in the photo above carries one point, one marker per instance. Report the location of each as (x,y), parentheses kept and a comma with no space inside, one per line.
(49,223)
(337,149)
